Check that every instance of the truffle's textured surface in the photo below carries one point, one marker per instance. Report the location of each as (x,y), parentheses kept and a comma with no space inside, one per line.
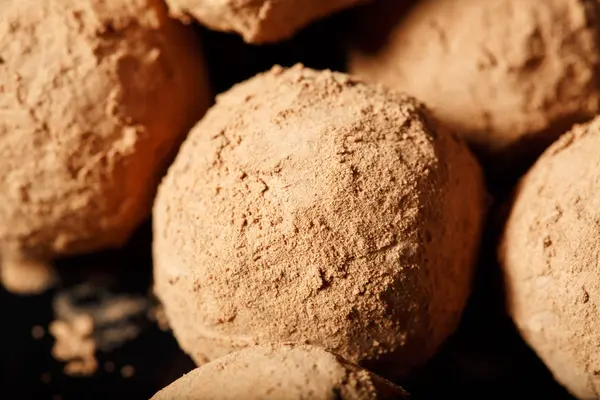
(95,96)
(549,254)
(508,75)
(311,208)
(258,21)
(280,372)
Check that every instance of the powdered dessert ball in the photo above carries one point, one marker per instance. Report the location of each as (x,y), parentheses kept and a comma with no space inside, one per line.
(258,21)
(95,96)
(508,75)
(311,208)
(549,255)
(280,372)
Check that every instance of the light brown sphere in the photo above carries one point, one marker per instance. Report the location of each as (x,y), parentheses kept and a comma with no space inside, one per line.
(549,254)
(258,21)
(95,97)
(308,207)
(281,372)
(510,76)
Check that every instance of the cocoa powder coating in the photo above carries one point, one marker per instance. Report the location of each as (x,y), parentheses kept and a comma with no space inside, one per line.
(95,96)
(280,372)
(508,75)
(549,254)
(257,21)
(309,207)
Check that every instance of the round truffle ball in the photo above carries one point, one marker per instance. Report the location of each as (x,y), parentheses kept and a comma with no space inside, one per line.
(259,21)
(308,207)
(549,254)
(95,97)
(281,372)
(508,75)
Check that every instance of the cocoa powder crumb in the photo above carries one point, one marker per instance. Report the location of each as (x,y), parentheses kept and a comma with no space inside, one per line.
(109,366)
(25,276)
(74,345)
(158,315)
(117,318)
(46,377)
(127,371)
(38,332)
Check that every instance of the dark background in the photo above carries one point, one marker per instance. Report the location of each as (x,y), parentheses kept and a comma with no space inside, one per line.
(485,359)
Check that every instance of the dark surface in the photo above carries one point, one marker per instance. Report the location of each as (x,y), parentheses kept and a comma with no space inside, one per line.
(25,363)
(485,359)
(231,60)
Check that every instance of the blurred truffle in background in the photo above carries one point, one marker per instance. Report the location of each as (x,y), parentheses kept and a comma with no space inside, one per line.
(510,76)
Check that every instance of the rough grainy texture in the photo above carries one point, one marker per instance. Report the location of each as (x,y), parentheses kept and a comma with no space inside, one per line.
(312,208)
(258,21)
(550,252)
(94,98)
(508,75)
(280,372)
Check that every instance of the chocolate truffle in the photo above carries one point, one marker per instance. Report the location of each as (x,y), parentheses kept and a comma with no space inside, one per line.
(309,207)
(258,21)
(95,97)
(549,254)
(508,75)
(281,372)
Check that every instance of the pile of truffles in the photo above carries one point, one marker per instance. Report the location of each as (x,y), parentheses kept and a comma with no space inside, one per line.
(311,228)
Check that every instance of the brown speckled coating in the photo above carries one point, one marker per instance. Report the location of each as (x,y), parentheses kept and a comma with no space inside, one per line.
(549,254)
(95,96)
(275,372)
(312,208)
